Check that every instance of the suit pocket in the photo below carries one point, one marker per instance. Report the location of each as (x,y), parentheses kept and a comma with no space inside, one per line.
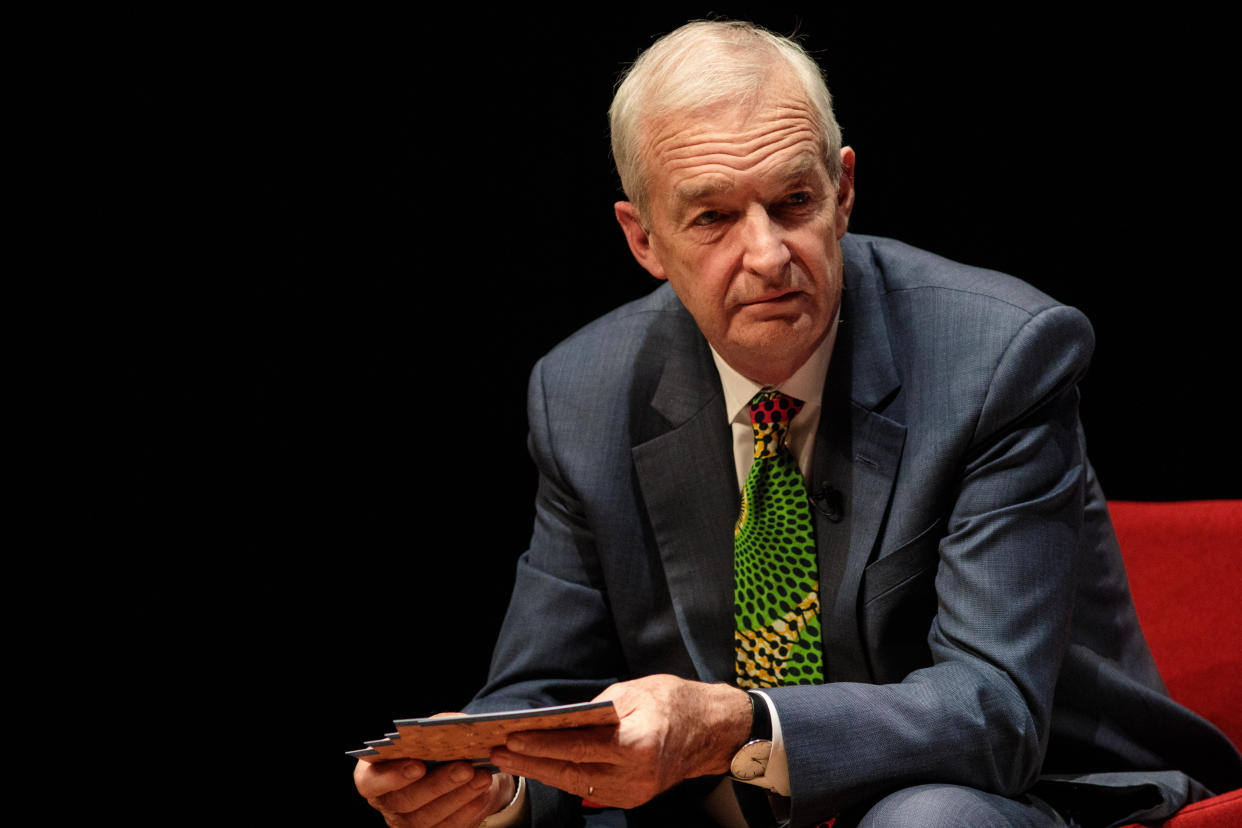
(907,562)
(899,603)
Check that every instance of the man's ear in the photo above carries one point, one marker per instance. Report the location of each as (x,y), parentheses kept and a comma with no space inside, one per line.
(845,191)
(638,238)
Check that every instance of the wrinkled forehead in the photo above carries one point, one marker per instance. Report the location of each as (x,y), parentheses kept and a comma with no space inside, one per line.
(777,134)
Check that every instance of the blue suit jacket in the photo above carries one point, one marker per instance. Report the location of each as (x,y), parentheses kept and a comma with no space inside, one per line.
(978,627)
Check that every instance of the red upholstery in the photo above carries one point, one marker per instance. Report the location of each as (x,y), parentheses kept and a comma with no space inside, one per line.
(1184,561)
(1224,811)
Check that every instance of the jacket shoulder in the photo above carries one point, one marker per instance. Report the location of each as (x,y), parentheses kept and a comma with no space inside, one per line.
(619,343)
(924,295)
(890,266)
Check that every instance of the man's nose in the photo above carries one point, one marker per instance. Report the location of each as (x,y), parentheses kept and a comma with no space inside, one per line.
(765,252)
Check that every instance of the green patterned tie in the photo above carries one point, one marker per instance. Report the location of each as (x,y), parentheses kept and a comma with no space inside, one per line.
(777,580)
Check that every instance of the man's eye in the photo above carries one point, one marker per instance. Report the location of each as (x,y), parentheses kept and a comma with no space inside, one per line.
(707,217)
(797,199)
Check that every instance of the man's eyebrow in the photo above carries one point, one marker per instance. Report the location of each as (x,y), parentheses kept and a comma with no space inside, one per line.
(690,193)
(799,168)
(795,170)
(686,194)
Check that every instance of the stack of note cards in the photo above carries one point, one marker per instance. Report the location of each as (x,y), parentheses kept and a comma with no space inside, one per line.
(471,737)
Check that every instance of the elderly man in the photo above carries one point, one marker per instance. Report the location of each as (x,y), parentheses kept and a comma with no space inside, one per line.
(816,516)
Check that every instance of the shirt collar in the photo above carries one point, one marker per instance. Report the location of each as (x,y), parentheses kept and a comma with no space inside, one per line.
(806,384)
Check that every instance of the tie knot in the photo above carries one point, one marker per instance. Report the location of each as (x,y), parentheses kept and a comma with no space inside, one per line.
(770,413)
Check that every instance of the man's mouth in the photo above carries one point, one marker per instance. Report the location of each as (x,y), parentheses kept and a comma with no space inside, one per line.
(774,296)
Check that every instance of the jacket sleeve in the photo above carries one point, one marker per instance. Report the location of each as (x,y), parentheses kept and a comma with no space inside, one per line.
(980,714)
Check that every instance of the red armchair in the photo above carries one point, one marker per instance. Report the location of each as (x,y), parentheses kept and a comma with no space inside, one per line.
(1184,561)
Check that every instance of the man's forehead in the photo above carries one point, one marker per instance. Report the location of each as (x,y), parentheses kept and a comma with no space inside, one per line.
(738,120)
(698,153)
(692,187)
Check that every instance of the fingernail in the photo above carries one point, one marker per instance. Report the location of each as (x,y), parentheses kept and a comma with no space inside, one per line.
(481,779)
(414,770)
(461,773)
(517,743)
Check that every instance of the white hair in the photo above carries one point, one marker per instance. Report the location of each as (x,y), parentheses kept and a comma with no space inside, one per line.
(703,64)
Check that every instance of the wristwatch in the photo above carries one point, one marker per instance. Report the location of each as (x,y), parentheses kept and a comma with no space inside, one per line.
(751,760)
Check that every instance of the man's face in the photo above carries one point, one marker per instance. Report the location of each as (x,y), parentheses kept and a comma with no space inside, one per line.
(746,226)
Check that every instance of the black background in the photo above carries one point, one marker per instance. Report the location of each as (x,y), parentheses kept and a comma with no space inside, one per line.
(338,231)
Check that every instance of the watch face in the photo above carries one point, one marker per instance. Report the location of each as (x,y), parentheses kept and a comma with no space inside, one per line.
(748,770)
(751,761)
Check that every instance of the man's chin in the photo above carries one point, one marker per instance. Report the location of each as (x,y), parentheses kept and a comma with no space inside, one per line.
(769,352)
(777,332)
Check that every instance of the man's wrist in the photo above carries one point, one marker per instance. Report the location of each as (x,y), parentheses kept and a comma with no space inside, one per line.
(726,729)
(519,788)
(513,814)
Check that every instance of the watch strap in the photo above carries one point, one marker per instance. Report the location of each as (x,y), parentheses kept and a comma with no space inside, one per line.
(760,717)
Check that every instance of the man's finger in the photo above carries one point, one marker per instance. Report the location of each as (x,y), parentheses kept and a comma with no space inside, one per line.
(460,805)
(577,779)
(378,778)
(456,777)
(579,745)
(602,784)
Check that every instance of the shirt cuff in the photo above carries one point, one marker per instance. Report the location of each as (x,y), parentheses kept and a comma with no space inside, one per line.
(776,777)
(515,813)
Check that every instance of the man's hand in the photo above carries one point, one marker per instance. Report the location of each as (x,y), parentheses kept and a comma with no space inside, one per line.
(671,729)
(455,795)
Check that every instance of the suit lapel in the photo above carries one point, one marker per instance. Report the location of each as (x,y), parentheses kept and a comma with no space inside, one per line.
(690,491)
(857,452)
